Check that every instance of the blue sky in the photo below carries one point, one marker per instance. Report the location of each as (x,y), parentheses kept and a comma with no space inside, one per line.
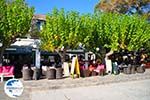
(46,6)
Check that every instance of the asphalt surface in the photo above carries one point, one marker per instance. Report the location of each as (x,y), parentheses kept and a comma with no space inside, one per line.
(133,90)
(109,87)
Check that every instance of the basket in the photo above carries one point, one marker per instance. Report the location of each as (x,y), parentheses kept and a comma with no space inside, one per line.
(27,74)
(127,70)
(140,69)
(133,69)
(59,73)
(51,73)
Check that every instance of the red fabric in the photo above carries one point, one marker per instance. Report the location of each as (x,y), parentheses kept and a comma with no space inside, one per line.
(8,70)
(147,65)
(82,67)
(1,69)
(91,68)
(100,68)
(11,71)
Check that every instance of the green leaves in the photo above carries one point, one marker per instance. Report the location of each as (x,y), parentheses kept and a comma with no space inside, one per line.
(114,31)
(15,19)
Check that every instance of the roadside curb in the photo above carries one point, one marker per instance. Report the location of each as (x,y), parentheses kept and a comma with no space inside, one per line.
(41,85)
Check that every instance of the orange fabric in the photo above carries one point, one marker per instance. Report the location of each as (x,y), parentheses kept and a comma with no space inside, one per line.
(91,68)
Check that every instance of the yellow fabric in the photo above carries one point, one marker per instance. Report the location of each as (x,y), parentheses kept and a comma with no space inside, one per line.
(75,67)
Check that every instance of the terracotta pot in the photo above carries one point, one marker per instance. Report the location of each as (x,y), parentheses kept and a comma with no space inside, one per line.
(59,73)
(147,65)
(36,74)
(133,69)
(51,74)
(27,74)
(102,72)
(127,70)
(86,73)
(140,69)
(94,73)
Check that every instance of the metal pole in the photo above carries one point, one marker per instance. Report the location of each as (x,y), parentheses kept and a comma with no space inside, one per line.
(37,58)
(86,60)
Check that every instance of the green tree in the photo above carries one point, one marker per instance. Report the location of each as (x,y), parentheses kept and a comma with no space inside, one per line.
(110,30)
(66,30)
(15,20)
(69,30)
(125,32)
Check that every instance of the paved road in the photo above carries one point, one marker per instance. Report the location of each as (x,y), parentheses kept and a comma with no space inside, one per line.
(108,87)
(133,90)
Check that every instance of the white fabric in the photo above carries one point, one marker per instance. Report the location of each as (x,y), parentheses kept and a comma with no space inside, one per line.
(73,65)
(108,65)
(66,69)
(44,68)
(37,58)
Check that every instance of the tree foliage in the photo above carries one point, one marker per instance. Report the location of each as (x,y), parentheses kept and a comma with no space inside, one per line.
(114,31)
(127,32)
(64,29)
(15,19)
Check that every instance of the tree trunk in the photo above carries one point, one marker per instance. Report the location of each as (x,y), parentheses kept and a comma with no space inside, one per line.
(62,55)
(5,44)
(2,49)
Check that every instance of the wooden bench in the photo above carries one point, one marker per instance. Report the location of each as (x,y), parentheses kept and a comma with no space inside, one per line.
(6,71)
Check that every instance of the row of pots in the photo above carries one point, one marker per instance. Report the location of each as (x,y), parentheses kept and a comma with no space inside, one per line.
(87,73)
(133,69)
(54,73)
(57,73)
(126,70)
(35,74)
(29,74)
